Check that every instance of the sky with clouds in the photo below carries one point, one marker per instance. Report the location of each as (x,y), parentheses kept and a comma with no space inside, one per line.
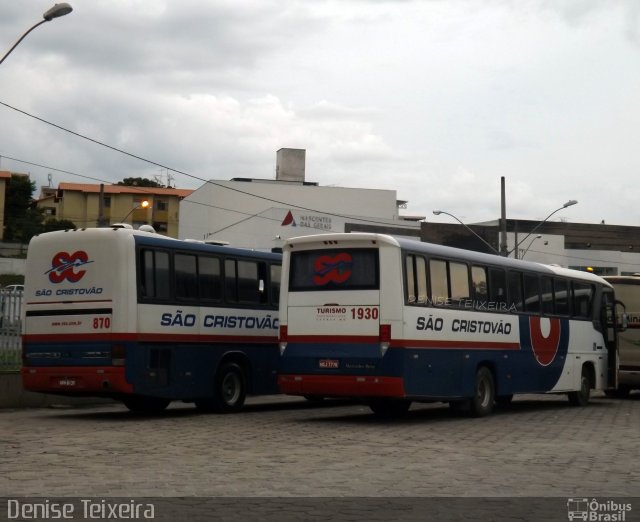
(436,99)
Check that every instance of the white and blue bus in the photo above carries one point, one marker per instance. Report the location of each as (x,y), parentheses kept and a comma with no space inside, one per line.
(146,319)
(390,321)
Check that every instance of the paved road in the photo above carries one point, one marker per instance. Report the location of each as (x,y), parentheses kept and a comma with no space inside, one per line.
(285,447)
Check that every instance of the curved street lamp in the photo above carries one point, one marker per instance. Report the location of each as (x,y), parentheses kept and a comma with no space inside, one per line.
(56,11)
(527,249)
(142,204)
(569,203)
(438,212)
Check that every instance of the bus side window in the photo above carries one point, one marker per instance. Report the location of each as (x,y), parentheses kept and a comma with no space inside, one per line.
(479,286)
(230,286)
(546,291)
(416,278)
(185,276)
(459,279)
(163,283)
(497,288)
(248,282)
(531,293)
(411,279)
(154,271)
(147,274)
(210,280)
(515,291)
(582,299)
(561,294)
(421,279)
(276,271)
(439,284)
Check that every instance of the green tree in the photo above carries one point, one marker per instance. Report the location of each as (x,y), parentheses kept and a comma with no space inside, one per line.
(22,220)
(52,224)
(139,182)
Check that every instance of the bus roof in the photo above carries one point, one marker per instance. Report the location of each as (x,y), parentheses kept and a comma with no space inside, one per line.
(445,251)
(153,239)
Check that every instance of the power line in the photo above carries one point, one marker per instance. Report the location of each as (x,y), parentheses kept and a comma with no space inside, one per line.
(135,156)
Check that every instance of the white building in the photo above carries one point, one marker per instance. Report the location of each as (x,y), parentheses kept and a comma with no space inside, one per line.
(261,213)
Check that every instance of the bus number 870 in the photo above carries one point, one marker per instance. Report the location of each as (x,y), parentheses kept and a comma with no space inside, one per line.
(100,323)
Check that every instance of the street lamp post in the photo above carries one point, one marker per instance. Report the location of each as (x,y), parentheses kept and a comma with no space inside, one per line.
(56,11)
(142,204)
(569,203)
(438,212)
(528,247)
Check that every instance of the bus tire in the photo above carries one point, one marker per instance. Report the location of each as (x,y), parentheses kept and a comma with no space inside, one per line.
(141,404)
(390,408)
(481,403)
(581,397)
(230,388)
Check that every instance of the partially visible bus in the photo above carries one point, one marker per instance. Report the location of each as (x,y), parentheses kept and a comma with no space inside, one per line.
(627,290)
(146,319)
(390,321)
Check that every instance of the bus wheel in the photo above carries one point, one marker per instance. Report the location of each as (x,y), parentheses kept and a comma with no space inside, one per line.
(581,397)
(230,388)
(140,404)
(482,401)
(389,408)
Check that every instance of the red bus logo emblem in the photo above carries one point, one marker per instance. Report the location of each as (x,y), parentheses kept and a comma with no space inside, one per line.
(545,346)
(336,269)
(65,265)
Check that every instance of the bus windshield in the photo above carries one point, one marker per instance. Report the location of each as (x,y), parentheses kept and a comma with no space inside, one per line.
(337,269)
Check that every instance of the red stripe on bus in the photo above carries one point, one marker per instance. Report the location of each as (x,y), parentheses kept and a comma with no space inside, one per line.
(69,302)
(454,345)
(132,337)
(405,343)
(333,338)
(341,385)
(97,380)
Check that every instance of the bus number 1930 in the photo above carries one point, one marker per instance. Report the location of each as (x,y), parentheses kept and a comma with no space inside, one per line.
(364,313)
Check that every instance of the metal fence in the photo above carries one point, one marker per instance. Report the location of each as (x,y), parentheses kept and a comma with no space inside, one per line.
(10,329)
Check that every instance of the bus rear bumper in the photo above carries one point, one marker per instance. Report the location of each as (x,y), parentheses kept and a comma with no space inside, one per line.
(73,380)
(341,385)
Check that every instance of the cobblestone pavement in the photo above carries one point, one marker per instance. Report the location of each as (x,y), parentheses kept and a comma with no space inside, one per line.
(282,447)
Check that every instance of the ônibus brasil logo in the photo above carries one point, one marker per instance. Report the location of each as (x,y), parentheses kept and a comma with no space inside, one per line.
(64,266)
(336,269)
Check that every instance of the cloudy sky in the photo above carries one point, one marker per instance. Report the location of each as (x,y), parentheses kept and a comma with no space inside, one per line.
(436,99)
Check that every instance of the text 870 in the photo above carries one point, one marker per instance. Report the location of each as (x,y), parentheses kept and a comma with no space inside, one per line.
(100,323)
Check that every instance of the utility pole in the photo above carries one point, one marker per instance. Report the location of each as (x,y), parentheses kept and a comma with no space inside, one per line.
(503,220)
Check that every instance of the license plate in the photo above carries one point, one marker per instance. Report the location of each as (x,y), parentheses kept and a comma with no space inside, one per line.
(67,382)
(329,363)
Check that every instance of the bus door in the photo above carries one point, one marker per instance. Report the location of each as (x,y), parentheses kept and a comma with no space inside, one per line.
(334,304)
